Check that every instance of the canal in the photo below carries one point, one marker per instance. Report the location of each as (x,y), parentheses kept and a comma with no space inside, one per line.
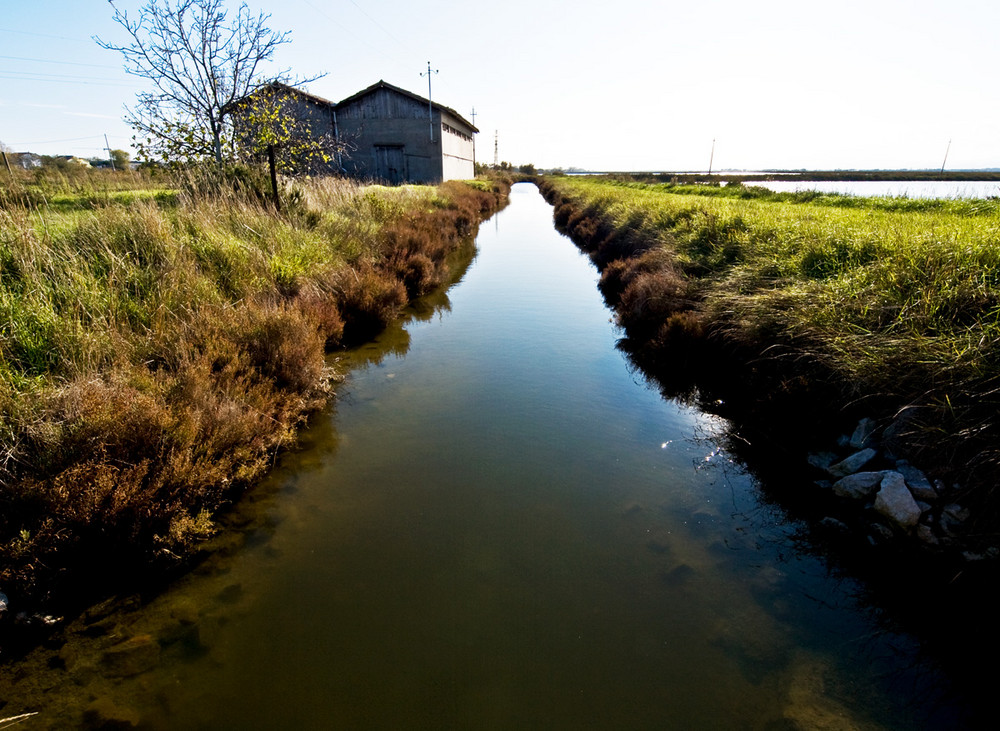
(497,524)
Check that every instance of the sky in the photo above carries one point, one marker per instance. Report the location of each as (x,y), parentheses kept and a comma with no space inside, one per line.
(598,85)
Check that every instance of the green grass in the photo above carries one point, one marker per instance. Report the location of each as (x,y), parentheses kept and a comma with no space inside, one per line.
(866,276)
(895,298)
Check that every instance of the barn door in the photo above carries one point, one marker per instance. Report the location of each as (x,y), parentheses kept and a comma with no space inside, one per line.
(389,164)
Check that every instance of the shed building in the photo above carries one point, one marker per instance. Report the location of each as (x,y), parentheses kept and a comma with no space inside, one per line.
(397,136)
(390,134)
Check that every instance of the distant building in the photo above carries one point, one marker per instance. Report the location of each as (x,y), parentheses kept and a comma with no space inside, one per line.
(73,160)
(391,135)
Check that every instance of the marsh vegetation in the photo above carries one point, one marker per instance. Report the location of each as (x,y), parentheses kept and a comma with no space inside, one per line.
(879,304)
(161,338)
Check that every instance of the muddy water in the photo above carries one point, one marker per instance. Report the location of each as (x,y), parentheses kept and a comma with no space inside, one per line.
(497,525)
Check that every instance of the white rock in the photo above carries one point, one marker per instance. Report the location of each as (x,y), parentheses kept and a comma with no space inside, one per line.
(858,486)
(862,433)
(853,463)
(895,501)
(4,602)
(917,481)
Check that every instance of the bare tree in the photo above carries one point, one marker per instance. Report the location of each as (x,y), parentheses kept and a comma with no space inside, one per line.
(200,62)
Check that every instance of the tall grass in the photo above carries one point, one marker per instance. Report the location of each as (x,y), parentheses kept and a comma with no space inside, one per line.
(158,344)
(896,301)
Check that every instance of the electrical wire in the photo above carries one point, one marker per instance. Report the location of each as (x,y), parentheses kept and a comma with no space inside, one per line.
(66,63)
(63,80)
(71,139)
(44,35)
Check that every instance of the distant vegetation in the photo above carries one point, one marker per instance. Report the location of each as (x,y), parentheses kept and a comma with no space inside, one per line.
(892,302)
(161,338)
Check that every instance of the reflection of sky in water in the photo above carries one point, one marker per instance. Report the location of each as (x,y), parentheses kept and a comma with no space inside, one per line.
(500,525)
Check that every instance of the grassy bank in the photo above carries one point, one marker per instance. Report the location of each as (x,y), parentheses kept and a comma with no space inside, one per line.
(864,304)
(159,343)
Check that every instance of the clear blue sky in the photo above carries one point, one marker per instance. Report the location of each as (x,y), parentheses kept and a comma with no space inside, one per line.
(609,85)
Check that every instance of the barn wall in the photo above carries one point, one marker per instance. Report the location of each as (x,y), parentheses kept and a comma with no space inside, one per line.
(456,149)
(319,117)
(387,136)
(365,136)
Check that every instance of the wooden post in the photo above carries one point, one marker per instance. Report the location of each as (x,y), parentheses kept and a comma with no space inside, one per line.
(274,178)
(7,163)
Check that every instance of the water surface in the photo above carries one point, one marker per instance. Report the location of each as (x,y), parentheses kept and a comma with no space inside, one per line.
(891,188)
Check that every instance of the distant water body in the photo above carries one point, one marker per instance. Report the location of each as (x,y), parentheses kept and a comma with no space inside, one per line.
(893,188)
(871,188)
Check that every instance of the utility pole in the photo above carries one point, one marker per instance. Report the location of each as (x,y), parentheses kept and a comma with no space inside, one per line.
(711,158)
(430,104)
(946,151)
(496,148)
(473,142)
(110,156)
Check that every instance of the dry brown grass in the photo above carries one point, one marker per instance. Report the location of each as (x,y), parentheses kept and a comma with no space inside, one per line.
(199,353)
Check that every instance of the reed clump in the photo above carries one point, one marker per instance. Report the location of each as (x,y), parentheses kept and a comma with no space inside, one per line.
(159,343)
(894,301)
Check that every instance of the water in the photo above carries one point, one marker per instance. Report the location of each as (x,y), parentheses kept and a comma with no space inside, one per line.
(892,188)
(498,525)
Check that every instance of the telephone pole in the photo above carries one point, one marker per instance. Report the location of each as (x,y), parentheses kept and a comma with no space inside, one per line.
(110,156)
(496,147)
(946,151)
(430,104)
(711,158)
(473,141)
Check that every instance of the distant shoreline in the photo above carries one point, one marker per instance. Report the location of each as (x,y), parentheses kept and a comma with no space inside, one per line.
(988,174)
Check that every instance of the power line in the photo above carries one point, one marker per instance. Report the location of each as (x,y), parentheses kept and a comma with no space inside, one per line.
(54,76)
(379,25)
(45,142)
(66,63)
(65,80)
(350,31)
(44,35)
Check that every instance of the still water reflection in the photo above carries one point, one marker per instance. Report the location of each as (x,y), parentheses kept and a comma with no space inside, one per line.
(498,525)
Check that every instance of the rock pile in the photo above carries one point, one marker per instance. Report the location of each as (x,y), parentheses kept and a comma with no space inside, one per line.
(897,498)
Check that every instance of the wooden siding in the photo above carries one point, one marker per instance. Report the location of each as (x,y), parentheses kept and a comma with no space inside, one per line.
(382,104)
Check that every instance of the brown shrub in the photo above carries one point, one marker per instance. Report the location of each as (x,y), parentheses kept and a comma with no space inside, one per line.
(282,345)
(370,300)
(320,306)
(649,299)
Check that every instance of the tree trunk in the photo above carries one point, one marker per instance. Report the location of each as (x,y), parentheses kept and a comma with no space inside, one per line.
(274,177)
(217,140)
